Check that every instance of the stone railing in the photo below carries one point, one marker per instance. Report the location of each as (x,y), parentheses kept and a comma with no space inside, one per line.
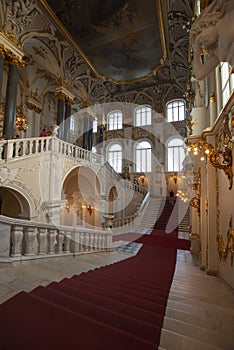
(19,148)
(24,240)
(125,221)
(135,188)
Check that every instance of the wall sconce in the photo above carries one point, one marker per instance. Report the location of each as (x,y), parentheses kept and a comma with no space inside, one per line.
(175,178)
(221,157)
(21,120)
(66,207)
(88,207)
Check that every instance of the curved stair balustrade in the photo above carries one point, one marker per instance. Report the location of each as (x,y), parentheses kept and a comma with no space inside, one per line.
(25,240)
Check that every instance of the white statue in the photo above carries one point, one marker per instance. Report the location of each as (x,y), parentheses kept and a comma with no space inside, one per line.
(213,32)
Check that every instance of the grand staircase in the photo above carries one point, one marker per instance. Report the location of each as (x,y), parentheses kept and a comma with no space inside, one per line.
(199,313)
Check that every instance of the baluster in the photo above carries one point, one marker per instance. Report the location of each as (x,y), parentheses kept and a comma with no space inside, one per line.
(99,243)
(42,241)
(91,241)
(2,150)
(60,239)
(46,145)
(51,241)
(85,242)
(82,241)
(16,238)
(39,146)
(67,242)
(96,241)
(103,241)
(30,238)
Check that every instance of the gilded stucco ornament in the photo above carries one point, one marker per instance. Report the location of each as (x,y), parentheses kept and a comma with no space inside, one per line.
(219,156)
(209,37)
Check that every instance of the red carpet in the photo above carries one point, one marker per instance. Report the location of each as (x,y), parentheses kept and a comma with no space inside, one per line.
(111,308)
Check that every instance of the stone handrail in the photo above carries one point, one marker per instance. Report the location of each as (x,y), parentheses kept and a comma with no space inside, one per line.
(24,240)
(125,221)
(18,148)
(134,187)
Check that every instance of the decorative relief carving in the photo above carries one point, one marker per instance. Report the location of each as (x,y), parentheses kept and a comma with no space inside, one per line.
(7,175)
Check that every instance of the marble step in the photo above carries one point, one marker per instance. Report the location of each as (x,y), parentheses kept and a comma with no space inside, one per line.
(216,325)
(223,300)
(203,310)
(198,333)
(174,341)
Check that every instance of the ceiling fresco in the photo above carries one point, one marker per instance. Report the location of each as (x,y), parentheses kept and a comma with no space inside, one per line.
(122,40)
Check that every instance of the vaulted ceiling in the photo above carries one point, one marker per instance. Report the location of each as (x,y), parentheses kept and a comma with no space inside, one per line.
(122,40)
(129,45)
(104,50)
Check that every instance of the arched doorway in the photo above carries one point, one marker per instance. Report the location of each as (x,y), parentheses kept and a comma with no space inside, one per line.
(13,204)
(111,198)
(81,189)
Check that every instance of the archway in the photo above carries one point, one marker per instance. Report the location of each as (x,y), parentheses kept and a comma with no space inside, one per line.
(13,204)
(81,189)
(112,197)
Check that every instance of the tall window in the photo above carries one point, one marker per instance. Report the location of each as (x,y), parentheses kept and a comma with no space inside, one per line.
(143,157)
(227,82)
(114,156)
(175,154)
(95,124)
(115,120)
(72,124)
(143,116)
(175,111)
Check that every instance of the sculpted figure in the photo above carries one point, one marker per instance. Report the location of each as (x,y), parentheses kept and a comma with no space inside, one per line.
(214,33)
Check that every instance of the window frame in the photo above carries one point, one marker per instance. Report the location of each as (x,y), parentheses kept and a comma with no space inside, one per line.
(172,157)
(147,167)
(119,160)
(143,114)
(117,122)
(176,106)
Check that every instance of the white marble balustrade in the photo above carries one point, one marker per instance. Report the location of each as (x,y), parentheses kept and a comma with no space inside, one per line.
(125,221)
(23,240)
(18,148)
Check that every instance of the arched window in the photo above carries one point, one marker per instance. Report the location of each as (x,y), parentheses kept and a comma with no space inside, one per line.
(114,156)
(175,154)
(115,120)
(143,116)
(143,157)
(175,111)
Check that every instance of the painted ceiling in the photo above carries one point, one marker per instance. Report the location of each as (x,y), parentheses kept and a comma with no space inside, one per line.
(122,40)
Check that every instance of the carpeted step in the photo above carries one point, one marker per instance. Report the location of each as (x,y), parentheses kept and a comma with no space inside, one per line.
(36,324)
(115,281)
(136,281)
(106,316)
(123,297)
(133,311)
(119,286)
(105,285)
